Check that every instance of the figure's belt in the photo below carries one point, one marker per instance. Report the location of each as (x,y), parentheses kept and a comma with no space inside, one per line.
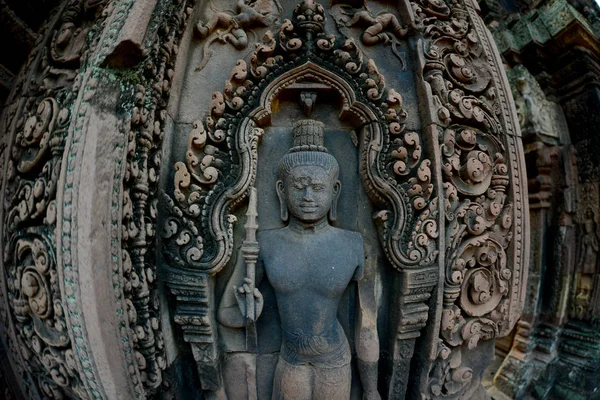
(329,349)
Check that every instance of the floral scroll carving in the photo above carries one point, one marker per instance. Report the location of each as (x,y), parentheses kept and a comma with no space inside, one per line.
(46,332)
(40,317)
(135,267)
(483,190)
(30,273)
(447,189)
(40,337)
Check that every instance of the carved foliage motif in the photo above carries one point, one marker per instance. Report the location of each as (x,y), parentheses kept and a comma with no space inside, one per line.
(484,214)
(38,122)
(136,270)
(38,310)
(220,166)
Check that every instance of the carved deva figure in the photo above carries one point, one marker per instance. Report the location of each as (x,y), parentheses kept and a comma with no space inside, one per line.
(309,264)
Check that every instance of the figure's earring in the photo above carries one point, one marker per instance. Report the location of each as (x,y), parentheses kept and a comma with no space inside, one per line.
(337,189)
(282,204)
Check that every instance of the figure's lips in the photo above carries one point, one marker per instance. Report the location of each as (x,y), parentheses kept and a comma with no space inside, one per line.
(308,207)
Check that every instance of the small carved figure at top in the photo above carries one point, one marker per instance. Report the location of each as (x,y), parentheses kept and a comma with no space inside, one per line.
(378,25)
(234,25)
(383,27)
(69,39)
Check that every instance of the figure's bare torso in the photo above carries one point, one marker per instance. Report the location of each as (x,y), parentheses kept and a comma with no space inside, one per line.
(309,273)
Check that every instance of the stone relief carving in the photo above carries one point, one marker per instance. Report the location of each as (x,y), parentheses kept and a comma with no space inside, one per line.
(448,201)
(135,266)
(48,340)
(199,225)
(538,117)
(235,25)
(485,217)
(315,355)
(383,27)
(38,121)
(586,268)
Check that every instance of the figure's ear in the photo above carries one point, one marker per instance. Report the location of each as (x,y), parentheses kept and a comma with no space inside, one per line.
(283,210)
(337,189)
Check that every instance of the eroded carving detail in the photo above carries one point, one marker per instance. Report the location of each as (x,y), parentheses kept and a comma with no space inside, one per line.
(134,258)
(381,28)
(484,215)
(235,25)
(41,333)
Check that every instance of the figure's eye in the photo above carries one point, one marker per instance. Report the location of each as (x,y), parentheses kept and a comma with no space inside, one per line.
(318,188)
(298,186)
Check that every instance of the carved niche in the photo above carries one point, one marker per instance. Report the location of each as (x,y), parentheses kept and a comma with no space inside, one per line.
(434,135)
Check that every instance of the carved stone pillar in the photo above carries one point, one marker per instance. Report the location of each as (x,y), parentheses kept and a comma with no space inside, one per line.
(261,198)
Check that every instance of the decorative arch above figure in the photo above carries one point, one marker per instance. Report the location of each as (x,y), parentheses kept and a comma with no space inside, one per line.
(444,184)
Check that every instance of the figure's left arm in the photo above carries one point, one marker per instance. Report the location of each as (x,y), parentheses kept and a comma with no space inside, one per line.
(367,339)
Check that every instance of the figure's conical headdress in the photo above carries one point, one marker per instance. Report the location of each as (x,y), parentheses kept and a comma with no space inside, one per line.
(308,149)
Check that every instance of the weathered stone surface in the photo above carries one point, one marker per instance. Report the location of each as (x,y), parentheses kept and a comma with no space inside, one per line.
(558,49)
(161,239)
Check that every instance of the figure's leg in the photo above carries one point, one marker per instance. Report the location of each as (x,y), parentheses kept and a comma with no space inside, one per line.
(292,382)
(239,374)
(374,35)
(237,38)
(220,19)
(332,383)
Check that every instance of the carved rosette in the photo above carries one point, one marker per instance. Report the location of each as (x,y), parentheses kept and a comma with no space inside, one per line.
(486,232)
(220,167)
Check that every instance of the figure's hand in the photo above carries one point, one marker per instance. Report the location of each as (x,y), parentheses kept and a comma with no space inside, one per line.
(371,396)
(240,296)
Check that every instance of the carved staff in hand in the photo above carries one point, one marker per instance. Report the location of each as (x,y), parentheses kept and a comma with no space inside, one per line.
(248,290)
(240,307)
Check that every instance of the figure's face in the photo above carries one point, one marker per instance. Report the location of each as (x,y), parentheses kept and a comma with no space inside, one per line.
(589,226)
(309,192)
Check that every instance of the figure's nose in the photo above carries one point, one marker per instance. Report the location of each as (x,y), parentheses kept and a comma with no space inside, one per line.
(308,194)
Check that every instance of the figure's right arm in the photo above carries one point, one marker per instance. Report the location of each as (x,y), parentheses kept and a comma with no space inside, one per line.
(232,308)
